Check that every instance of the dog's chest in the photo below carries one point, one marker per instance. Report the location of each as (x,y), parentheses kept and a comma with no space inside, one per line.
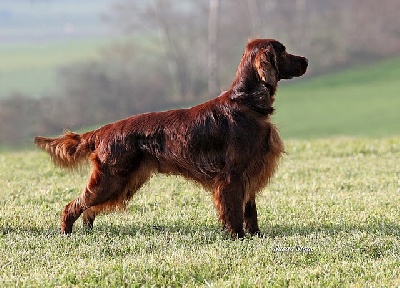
(264,164)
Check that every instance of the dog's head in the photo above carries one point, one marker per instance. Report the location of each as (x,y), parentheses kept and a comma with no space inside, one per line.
(273,63)
(264,63)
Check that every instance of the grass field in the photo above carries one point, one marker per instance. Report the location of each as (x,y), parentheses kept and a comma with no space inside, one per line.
(331,218)
(361,101)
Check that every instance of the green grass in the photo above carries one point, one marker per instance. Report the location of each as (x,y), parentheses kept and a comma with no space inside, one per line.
(32,68)
(357,102)
(336,201)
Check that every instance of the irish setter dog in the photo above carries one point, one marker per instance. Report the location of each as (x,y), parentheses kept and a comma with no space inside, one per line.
(227,144)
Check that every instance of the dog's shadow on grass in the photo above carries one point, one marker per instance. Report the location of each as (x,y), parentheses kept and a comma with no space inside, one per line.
(215,231)
(205,232)
(29,231)
(211,232)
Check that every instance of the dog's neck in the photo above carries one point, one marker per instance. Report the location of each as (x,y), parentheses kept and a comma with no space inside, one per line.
(250,90)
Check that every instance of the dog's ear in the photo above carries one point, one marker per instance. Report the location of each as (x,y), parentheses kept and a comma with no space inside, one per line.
(265,65)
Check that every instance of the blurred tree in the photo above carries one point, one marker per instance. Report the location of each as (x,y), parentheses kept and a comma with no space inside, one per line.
(100,92)
(212,75)
(177,52)
(17,120)
(181,30)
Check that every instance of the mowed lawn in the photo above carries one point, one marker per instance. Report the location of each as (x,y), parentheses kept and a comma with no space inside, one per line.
(330,217)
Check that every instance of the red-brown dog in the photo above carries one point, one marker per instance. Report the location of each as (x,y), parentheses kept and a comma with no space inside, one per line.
(228,145)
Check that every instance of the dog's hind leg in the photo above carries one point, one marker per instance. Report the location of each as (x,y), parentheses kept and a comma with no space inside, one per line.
(101,188)
(118,202)
(88,217)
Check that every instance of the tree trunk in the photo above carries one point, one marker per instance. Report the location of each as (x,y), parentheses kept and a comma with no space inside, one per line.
(175,59)
(213,80)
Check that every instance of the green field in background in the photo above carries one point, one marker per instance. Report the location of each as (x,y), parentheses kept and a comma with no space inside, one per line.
(32,68)
(362,101)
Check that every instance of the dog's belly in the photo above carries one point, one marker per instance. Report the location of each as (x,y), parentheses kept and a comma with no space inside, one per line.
(205,167)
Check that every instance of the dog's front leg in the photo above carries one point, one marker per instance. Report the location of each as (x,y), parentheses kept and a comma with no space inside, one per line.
(250,218)
(228,200)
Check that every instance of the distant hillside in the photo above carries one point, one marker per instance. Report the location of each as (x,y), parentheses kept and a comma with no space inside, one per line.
(39,20)
(31,68)
(362,101)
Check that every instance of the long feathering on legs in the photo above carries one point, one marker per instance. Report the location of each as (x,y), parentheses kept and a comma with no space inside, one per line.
(227,144)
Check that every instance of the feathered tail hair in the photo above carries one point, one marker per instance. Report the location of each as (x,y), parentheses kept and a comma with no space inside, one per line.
(67,151)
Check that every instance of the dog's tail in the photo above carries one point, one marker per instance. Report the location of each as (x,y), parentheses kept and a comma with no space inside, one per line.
(69,150)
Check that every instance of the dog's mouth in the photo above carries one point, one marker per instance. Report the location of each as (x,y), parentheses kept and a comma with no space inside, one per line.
(303,66)
(296,69)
